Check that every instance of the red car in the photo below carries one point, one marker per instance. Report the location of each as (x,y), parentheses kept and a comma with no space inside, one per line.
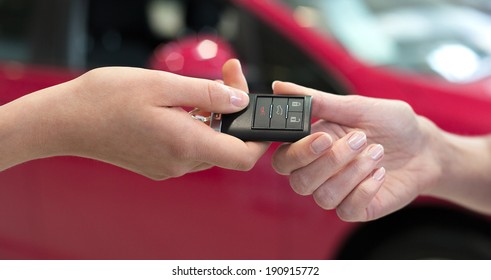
(74,208)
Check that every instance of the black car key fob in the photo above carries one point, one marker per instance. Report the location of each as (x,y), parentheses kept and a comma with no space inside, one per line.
(268,117)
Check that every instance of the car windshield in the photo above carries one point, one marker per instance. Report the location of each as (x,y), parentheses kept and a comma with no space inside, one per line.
(451,39)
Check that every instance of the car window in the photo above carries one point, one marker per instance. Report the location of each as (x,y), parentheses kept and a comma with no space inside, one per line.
(450,39)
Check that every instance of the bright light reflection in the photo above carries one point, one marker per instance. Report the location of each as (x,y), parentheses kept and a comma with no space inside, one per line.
(207,49)
(174,61)
(455,62)
(306,16)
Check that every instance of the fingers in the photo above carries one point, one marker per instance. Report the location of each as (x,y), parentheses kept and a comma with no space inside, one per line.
(308,178)
(214,148)
(344,110)
(233,76)
(335,189)
(226,151)
(207,95)
(340,175)
(289,157)
(359,205)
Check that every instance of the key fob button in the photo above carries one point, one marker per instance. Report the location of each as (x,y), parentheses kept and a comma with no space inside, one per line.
(294,120)
(279,113)
(295,104)
(281,118)
(261,116)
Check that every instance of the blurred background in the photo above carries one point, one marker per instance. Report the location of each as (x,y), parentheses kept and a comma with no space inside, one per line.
(446,38)
(433,54)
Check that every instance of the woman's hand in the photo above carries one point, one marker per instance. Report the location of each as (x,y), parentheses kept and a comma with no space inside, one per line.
(366,157)
(133,118)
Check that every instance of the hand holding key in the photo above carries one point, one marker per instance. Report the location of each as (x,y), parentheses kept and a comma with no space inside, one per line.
(342,164)
(131,118)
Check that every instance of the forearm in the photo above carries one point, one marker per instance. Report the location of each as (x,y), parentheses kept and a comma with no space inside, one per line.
(466,171)
(31,127)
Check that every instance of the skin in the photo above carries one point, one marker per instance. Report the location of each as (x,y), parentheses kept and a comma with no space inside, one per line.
(366,165)
(131,118)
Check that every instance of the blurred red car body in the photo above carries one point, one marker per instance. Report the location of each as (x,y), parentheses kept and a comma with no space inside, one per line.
(74,208)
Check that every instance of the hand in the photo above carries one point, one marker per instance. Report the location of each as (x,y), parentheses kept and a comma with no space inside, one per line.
(133,118)
(340,164)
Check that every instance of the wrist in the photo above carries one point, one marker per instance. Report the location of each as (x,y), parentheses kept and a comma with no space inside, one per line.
(465,171)
(31,127)
(434,157)
(465,160)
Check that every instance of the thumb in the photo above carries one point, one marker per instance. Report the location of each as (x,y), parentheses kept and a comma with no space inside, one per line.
(207,95)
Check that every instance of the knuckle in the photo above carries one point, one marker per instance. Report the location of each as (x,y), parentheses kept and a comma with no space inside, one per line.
(335,159)
(177,170)
(182,155)
(364,192)
(359,215)
(246,163)
(403,106)
(297,155)
(347,214)
(325,198)
(157,177)
(360,168)
(363,105)
(278,161)
(211,93)
(277,166)
(300,183)
(166,172)
(96,72)
(90,77)
(353,213)
(344,214)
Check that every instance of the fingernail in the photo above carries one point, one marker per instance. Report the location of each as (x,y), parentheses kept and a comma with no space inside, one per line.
(379,174)
(239,98)
(376,152)
(274,83)
(321,144)
(357,140)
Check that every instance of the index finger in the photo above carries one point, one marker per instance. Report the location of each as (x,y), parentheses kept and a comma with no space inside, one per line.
(228,152)
(345,110)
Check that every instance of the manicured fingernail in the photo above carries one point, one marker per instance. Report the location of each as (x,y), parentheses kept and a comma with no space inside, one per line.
(321,144)
(379,174)
(376,152)
(357,140)
(239,98)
